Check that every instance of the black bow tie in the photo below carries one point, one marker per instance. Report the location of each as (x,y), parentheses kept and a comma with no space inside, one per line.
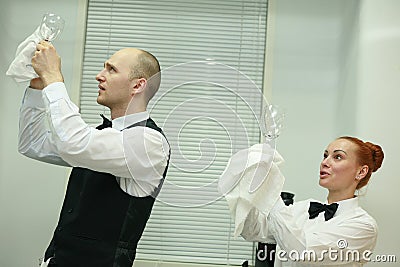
(316,208)
(106,123)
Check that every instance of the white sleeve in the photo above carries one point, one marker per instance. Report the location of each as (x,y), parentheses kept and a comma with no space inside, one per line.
(34,137)
(255,227)
(136,152)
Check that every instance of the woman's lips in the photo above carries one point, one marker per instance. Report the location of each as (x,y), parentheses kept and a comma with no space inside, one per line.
(323,174)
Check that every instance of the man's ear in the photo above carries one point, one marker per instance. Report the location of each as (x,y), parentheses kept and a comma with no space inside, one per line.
(139,86)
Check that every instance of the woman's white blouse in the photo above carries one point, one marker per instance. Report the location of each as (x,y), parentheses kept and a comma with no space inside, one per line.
(347,239)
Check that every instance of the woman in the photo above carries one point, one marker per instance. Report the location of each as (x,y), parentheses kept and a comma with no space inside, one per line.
(336,233)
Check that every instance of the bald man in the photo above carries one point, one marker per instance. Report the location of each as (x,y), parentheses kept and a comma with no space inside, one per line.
(118,167)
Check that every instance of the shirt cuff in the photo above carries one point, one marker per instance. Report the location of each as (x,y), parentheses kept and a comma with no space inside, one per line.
(278,206)
(55,92)
(33,98)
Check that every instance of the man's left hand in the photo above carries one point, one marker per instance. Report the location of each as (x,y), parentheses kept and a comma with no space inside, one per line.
(47,63)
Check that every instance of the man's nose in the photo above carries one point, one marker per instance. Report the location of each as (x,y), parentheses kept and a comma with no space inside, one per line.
(100,76)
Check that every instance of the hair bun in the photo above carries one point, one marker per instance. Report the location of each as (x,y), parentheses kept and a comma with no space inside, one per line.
(377,155)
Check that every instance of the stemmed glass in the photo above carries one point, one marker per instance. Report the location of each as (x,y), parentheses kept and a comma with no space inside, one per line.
(51,26)
(272,122)
(271,127)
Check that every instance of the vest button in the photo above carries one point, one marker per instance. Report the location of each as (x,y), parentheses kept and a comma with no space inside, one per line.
(70,210)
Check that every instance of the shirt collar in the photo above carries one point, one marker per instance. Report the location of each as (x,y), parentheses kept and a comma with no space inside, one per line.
(121,123)
(346,205)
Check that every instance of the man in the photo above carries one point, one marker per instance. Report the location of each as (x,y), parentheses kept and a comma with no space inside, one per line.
(117,172)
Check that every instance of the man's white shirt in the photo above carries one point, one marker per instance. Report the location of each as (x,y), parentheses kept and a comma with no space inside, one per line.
(52,130)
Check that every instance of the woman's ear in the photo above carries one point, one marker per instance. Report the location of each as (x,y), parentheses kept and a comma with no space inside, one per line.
(139,86)
(362,172)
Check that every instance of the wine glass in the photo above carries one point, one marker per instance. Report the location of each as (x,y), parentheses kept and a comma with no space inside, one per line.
(51,26)
(272,122)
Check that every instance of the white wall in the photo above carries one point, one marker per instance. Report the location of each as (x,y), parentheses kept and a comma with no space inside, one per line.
(306,57)
(334,67)
(377,112)
(336,71)
(31,193)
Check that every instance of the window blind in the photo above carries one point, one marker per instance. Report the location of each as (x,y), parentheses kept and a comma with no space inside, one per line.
(212,58)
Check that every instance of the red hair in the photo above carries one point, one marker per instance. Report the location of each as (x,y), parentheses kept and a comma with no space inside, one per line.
(367,154)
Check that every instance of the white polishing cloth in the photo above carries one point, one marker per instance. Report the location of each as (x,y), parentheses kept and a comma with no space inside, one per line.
(252,179)
(21,68)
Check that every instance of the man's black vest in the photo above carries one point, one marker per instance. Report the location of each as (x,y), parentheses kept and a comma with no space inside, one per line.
(100,225)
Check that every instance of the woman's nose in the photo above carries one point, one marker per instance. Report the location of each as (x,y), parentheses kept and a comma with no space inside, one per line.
(325,162)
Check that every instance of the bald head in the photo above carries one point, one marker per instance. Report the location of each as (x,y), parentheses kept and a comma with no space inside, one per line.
(144,65)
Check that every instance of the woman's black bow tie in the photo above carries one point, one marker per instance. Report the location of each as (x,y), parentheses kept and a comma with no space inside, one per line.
(316,208)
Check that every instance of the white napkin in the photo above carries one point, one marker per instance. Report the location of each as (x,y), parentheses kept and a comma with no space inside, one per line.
(259,164)
(21,68)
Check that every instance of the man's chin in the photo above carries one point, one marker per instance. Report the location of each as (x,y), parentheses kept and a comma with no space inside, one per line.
(100,101)
(103,103)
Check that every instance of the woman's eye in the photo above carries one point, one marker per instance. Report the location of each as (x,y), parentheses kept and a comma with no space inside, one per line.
(338,157)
